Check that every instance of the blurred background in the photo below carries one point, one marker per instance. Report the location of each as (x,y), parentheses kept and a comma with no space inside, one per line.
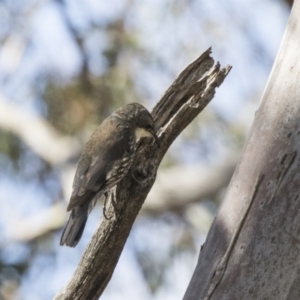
(65,65)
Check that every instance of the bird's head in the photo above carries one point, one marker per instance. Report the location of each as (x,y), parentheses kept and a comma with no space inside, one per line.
(141,120)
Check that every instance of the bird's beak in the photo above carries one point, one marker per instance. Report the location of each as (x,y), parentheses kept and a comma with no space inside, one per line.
(154,135)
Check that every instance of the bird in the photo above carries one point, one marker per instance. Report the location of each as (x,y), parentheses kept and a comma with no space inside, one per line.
(106,158)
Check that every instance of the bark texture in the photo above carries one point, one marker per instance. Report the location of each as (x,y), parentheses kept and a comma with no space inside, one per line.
(252,250)
(183,101)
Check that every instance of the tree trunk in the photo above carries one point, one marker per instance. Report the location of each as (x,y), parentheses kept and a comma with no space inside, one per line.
(252,250)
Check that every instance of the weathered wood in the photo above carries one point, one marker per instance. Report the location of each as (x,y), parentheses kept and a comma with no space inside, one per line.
(183,101)
(259,258)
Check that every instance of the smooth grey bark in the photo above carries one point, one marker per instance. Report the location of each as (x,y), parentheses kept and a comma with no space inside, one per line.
(252,250)
(184,100)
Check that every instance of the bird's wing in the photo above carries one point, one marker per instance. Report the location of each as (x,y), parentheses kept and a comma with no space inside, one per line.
(99,173)
(84,189)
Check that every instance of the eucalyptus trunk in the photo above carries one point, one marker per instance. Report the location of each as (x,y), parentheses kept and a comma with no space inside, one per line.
(252,250)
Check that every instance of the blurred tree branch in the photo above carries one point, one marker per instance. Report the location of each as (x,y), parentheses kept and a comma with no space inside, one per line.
(28,229)
(289,2)
(84,74)
(194,183)
(37,133)
(183,101)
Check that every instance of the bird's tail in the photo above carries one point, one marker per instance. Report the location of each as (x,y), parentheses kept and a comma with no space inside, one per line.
(74,227)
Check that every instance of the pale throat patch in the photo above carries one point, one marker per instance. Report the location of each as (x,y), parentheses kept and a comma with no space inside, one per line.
(141,132)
